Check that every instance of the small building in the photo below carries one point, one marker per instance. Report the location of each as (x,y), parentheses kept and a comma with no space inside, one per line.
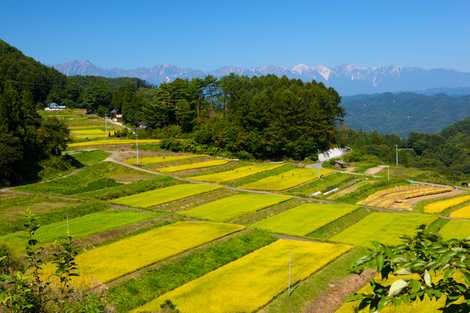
(55,107)
(115,115)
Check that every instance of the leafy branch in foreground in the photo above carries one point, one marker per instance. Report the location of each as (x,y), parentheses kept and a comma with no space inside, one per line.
(426,266)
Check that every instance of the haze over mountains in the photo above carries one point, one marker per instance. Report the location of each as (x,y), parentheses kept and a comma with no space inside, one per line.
(347,79)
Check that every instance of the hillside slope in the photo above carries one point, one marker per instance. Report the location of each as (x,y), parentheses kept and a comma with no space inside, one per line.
(402,113)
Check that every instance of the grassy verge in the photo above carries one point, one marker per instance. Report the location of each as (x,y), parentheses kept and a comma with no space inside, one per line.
(315,285)
(90,157)
(339,224)
(137,291)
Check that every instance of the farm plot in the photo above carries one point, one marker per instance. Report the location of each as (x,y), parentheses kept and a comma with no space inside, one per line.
(80,226)
(163,195)
(112,142)
(305,218)
(228,208)
(396,197)
(324,184)
(250,282)
(383,227)
(108,262)
(462,212)
(287,179)
(88,133)
(95,177)
(162,159)
(192,166)
(441,205)
(456,229)
(237,173)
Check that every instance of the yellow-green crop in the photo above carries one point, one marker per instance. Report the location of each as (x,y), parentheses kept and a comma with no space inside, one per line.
(305,218)
(228,208)
(162,158)
(250,282)
(112,142)
(163,195)
(462,212)
(108,262)
(441,205)
(287,179)
(238,172)
(383,227)
(459,229)
(192,166)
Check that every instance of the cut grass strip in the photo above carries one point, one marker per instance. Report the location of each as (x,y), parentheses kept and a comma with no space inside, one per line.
(163,195)
(192,166)
(250,282)
(383,227)
(162,159)
(463,212)
(305,218)
(237,173)
(112,142)
(80,226)
(140,290)
(90,157)
(228,208)
(340,224)
(287,179)
(459,229)
(119,258)
(441,205)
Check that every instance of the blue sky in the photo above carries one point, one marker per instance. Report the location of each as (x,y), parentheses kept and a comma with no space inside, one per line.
(209,34)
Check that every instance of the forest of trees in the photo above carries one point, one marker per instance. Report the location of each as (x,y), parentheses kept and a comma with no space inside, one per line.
(447,152)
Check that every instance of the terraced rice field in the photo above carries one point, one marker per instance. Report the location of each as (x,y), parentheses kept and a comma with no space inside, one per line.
(456,229)
(383,227)
(192,166)
(228,208)
(441,205)
(396,197)
(88,133)
(305,218)
(105,142)
(116,259)
(161,159)
(163,195)
(237,173)
(80,226)
(287,179)
(462,212)
(250,282)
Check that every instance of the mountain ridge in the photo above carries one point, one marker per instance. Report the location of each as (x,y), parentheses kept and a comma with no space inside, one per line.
(348,79)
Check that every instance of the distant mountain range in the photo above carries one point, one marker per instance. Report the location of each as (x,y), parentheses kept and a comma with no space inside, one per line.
(347,79)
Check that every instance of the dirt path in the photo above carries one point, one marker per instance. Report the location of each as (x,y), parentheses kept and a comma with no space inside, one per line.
(332,299)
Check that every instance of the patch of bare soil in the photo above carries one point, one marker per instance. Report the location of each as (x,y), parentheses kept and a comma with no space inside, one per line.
(375,170)
(336,295)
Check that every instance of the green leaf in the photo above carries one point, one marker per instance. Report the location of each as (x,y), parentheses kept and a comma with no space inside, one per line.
(427,278)
(397,287)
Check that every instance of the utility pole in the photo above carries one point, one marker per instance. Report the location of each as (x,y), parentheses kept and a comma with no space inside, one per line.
(396,155)
(290,274)
(106,124)
(137,149)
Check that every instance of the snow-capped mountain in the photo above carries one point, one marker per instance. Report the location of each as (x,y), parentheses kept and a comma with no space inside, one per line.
(347,79)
